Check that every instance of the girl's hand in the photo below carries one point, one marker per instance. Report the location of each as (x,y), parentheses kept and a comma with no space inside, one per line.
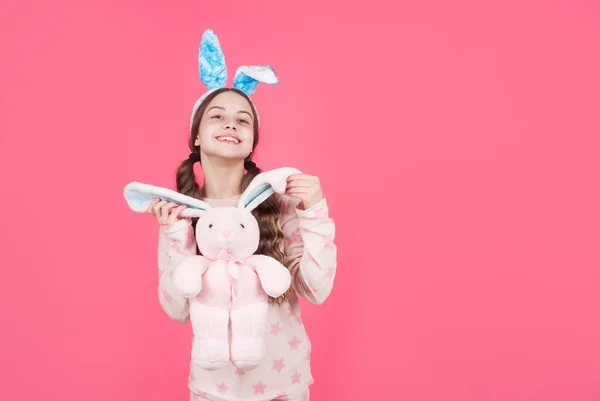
(305,187)
(165,212)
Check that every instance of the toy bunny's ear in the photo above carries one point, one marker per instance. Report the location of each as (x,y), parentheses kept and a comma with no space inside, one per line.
(211,61)
(139,196)
(264,185)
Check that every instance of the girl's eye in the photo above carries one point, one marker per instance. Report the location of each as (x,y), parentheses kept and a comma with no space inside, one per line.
(216,116)
(244,121)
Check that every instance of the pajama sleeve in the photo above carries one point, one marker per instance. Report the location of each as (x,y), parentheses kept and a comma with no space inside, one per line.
(310,251)
(175,243)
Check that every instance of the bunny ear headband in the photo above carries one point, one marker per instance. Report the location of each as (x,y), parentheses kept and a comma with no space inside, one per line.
(213,71)
(139,195)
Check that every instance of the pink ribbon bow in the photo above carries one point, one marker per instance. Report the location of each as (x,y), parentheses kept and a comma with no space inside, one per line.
(233,264)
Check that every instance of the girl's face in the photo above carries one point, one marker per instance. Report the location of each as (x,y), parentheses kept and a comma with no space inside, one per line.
(227,127)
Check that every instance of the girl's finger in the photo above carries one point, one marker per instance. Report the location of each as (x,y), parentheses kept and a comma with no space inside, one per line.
(302,190)
(301,176)
(157,207)
(300,183)
(175,212)
(298,194)
(165,211)
(152,204)
(171,205)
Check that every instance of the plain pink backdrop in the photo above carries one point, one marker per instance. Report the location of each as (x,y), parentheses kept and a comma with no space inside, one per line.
(458,144)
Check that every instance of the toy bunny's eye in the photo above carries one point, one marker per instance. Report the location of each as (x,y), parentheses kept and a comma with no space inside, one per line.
(242,226)
(210,226)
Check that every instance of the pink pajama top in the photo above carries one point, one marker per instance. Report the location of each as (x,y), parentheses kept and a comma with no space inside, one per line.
(310,255)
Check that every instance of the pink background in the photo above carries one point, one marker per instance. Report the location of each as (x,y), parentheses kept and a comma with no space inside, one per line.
(458,144)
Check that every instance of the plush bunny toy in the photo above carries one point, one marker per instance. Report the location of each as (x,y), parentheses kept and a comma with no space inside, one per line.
(228,283)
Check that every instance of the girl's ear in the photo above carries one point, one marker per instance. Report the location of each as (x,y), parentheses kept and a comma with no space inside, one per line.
(264,185)
(139,196)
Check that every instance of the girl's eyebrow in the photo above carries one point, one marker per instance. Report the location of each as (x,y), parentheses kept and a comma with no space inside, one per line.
(223,108)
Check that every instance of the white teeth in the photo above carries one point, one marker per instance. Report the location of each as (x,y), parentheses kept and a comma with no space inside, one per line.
(228,139)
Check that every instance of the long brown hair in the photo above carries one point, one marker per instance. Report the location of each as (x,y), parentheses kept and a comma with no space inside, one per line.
(267,213)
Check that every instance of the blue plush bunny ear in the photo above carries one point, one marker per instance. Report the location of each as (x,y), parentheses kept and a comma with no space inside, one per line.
(211,60)
(247,78)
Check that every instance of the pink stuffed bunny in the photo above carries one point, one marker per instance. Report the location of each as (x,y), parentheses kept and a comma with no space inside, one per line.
(229,283)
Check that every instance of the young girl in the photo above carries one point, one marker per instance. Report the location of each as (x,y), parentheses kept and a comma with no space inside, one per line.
(295,228)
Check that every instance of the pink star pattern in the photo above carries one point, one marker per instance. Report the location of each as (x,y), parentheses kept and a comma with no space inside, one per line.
(294,343)
(275,329)
(259,388)
(330,272)
(239,372)
(278,365)
(294,237)
(296,378)
(307,355)
(222,388)
(176,244)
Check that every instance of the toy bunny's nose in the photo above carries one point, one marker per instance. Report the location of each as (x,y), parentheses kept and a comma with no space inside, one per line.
(226,234)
